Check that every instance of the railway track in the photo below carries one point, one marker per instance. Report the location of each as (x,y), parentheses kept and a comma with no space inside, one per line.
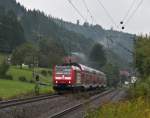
(15,102)
(68,110)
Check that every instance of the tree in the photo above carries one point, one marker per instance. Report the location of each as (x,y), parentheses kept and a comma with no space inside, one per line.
(26,53)
(51,52)
(142,55)
(3,69)
(112,73)
(98,56)
(78,22)
(11,31)
(86,24)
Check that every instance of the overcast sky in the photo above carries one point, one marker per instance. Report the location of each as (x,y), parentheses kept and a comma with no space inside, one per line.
(139,23)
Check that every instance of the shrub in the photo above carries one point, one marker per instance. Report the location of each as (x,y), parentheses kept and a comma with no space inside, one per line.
(142,88)
(50,72)
(44,72)
(3,69)
(9,77)
(31,81)
(6,77)
(23,79)
(137,108)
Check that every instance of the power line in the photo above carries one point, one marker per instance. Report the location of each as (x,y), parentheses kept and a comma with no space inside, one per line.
(77,10)
(134,12)
(120,45)
(125,48)
(90,13)
(107,13)
(88,10)
(129,10)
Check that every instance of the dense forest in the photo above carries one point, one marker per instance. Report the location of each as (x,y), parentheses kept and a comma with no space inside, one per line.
(11,31)
(116,43)
(69,37)
(40,34)
(38,26)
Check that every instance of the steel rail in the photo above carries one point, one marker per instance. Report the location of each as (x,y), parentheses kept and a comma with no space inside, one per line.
(15,102)
(66,111)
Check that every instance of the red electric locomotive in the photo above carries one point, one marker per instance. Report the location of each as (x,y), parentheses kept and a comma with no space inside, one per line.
(74,75)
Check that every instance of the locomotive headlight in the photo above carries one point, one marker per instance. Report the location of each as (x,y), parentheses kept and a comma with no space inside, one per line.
(56,82)
(69,82)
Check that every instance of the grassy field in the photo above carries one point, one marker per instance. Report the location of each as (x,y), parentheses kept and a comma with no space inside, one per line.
(14,88)
(16,73)
(10,88)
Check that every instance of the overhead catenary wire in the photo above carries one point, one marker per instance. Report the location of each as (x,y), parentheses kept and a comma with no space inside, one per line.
(76,9)
(129,10)
(125,48)
(120,45)
(110,17)
(89,11)
(107,13)
(134,12)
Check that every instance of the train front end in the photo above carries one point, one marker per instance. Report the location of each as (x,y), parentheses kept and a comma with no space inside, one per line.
(63,77)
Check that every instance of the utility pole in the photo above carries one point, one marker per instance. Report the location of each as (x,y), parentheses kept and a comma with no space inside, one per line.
(70,51)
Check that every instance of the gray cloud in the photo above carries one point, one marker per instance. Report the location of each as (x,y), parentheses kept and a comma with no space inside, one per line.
(140,23)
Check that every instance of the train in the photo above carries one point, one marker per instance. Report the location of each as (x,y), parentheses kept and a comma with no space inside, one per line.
(75,76)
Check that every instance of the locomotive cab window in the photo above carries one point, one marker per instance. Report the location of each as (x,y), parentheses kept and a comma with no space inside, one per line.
(63,70)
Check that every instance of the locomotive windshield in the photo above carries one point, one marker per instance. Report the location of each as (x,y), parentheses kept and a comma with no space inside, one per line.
(63,70)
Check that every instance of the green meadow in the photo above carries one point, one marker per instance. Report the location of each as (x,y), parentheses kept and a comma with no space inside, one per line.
(17,88)
(9,88)
(12,89)
(16,73)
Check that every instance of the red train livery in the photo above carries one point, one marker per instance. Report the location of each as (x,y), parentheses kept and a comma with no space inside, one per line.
(76,75)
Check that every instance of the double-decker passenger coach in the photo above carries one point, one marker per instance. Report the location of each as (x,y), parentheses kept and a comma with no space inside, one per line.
(77,76)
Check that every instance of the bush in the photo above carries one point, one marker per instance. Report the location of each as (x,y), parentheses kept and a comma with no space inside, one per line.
(142,88)
(6,77)
(23,79)
(9,77)
(31,81)
(44,72)
(3,69)
(50,72)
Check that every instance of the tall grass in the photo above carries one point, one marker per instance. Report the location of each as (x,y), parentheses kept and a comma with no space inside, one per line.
(137,108)
(138,105)
(141,89)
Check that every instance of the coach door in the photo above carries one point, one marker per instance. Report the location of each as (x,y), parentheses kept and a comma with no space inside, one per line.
(78,77)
